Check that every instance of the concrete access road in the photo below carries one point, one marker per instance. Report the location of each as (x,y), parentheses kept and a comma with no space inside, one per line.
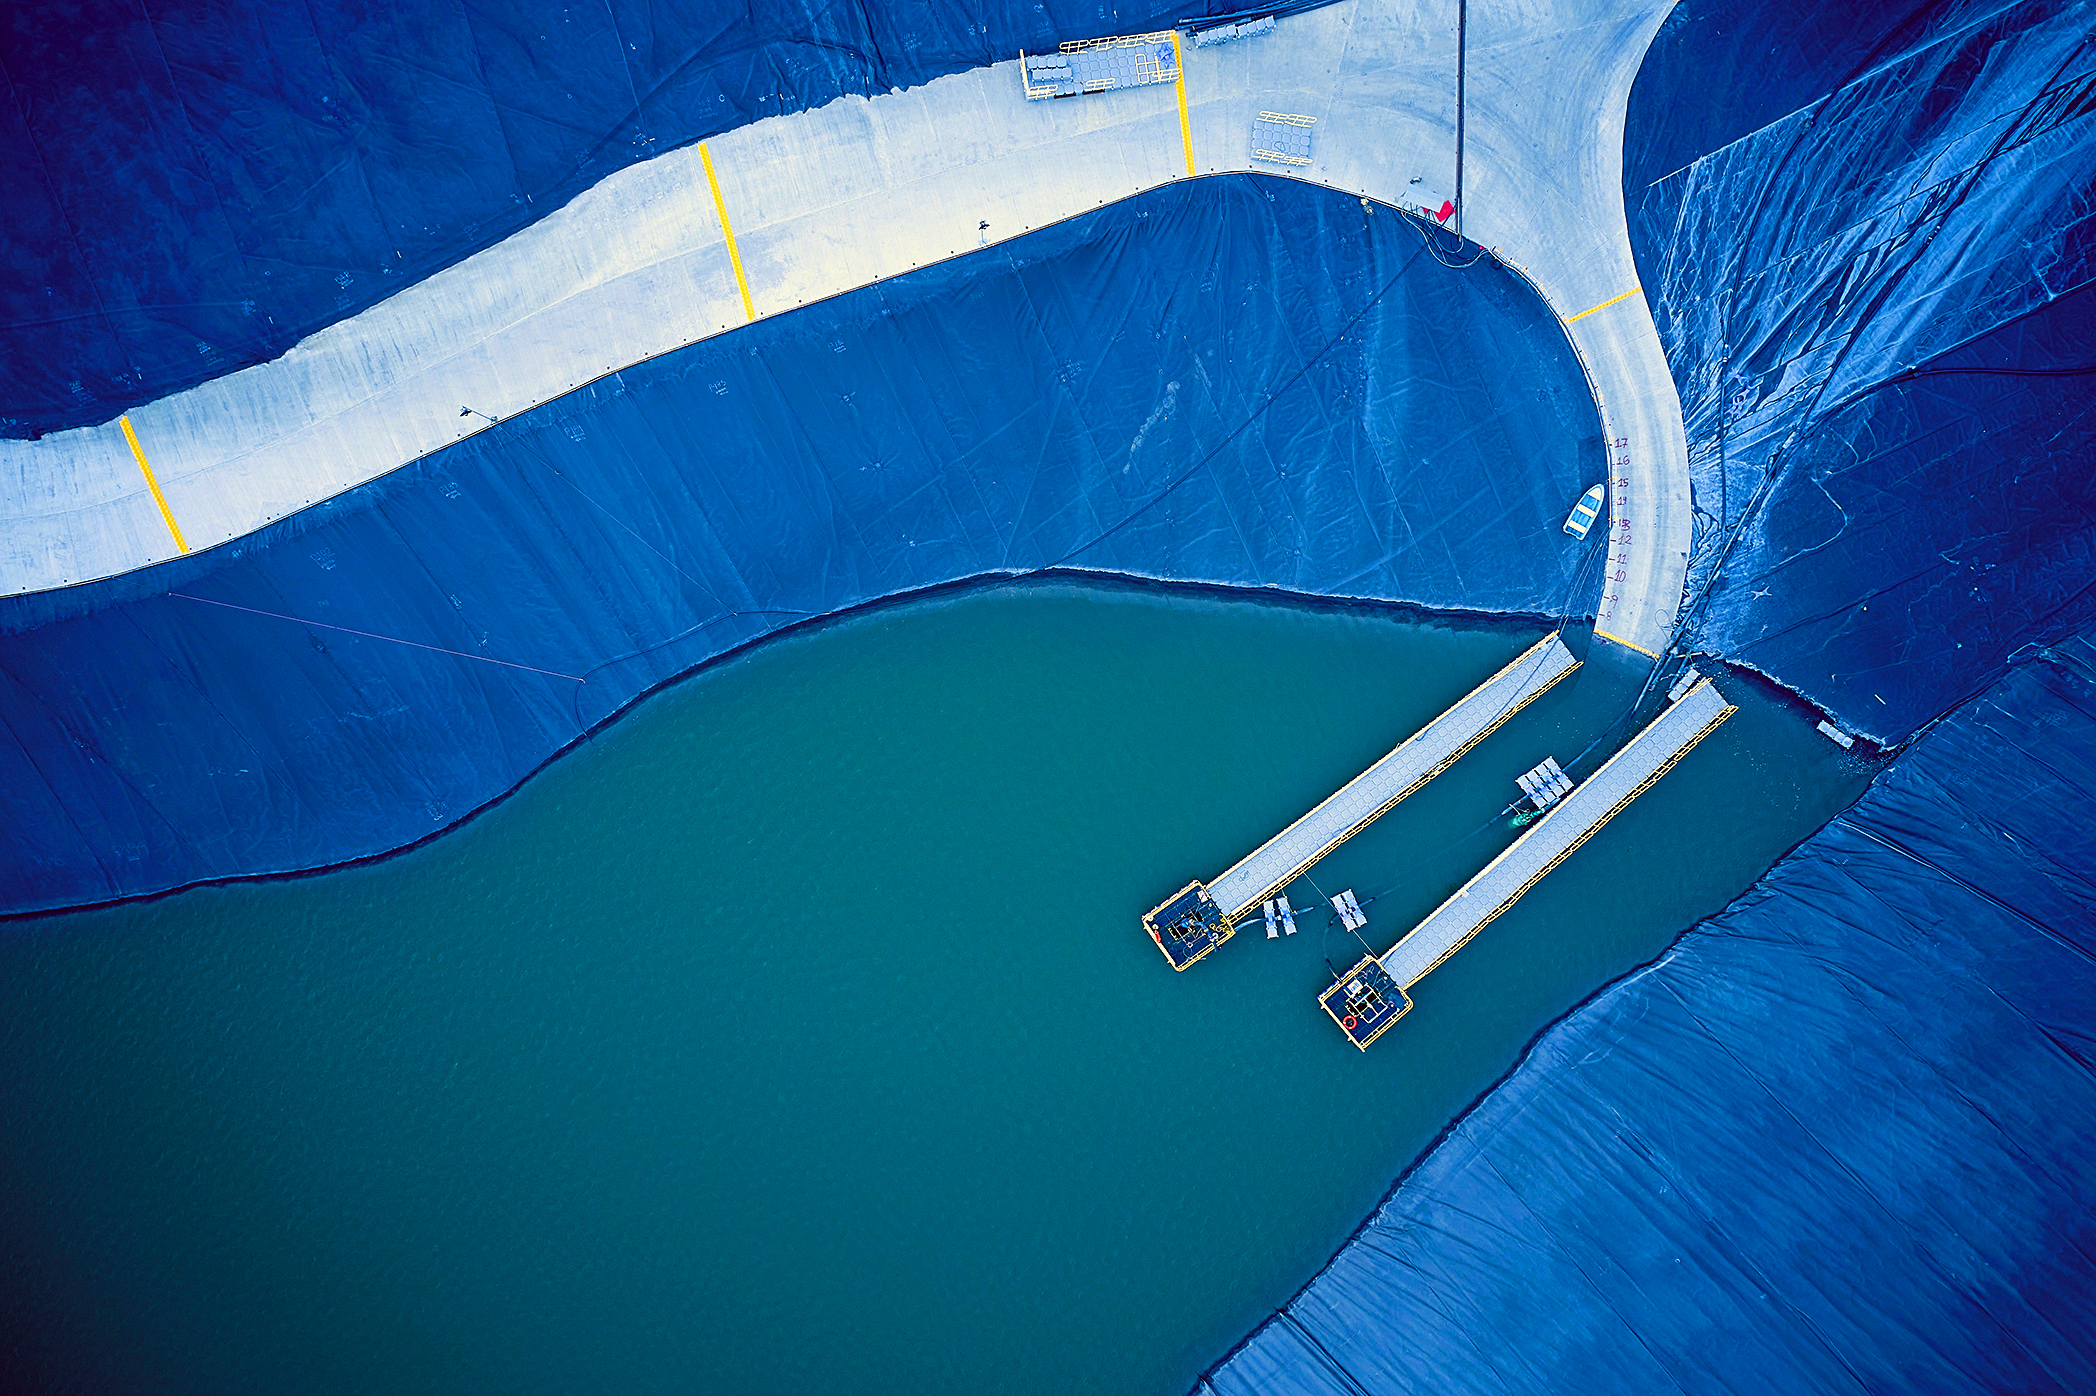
(792,209)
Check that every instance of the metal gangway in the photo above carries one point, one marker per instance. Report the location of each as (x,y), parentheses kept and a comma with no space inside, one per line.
(1200,916)
(1367,999)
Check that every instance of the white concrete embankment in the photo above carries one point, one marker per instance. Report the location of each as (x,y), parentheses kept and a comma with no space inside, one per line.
(864,189)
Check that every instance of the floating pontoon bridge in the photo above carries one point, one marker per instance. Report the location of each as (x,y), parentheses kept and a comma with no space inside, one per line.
(1201,916)
(1371,996)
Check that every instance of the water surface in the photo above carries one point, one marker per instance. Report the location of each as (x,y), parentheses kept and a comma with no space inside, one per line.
(797,1032)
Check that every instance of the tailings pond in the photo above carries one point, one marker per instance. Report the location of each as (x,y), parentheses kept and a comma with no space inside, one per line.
(797,1032)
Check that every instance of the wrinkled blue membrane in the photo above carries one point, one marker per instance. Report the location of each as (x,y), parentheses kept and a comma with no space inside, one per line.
(1718,70)
(192,186)
(1835,1140)
(1237,380)
(1876,308)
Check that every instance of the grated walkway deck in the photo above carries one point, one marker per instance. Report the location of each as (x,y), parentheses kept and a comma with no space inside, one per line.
(1101,65)
(1430,751)
(1570,823)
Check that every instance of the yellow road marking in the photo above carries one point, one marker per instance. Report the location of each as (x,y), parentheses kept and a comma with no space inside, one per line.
(152,484)
(1607,303)
(720,206)
(1186,129)
(1628,644)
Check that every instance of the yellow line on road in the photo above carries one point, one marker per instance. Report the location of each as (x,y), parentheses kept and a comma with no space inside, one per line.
(1607,303)
(1186,129)
(1628,644)
(720,206)
(152,484)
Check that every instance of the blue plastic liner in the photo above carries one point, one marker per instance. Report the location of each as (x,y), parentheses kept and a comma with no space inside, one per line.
(1718,70)
(1835,1140)
(1876,309)
(194,186)
(1240,380)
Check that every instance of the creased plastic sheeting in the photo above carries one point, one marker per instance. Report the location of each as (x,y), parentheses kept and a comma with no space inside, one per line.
(1964,493)
(194,186)
(1236,380)
(1836,1140)
(1718,70)
(1877,533)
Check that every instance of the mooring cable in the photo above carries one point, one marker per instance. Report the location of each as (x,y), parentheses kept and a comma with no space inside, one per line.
(390,639)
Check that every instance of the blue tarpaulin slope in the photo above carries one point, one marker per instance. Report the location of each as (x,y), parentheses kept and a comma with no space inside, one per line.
(1835,1140)
(1879,311)
(1237,380)
(194,186)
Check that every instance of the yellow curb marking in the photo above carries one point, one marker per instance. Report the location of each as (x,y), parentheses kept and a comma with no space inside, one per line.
(1186,130)
(720,206)
(1628,644)
(151,483)
(1605,305)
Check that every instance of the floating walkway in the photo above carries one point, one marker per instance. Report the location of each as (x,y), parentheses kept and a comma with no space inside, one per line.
(1373,994)
(1201,916)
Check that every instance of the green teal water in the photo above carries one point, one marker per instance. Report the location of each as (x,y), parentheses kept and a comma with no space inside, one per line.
(797,1033)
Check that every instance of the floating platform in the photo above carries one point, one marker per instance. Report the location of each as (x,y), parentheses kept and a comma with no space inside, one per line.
(1570,822)
(1100,65)
(1426,754)
(1350,913)
(1545,785)
(1188,926)
(1231,33)
(1365,1002)
(1282,138)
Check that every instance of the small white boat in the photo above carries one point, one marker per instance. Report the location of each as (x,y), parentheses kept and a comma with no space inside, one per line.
(1287,916)
(1273,924)
(1585,512)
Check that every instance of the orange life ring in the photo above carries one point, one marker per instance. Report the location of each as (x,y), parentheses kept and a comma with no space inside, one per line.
(1347,1022)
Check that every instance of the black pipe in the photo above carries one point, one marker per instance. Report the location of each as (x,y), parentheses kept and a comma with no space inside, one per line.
(1462,44)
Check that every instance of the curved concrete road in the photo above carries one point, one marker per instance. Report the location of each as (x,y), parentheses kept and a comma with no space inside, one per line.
(863,189)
